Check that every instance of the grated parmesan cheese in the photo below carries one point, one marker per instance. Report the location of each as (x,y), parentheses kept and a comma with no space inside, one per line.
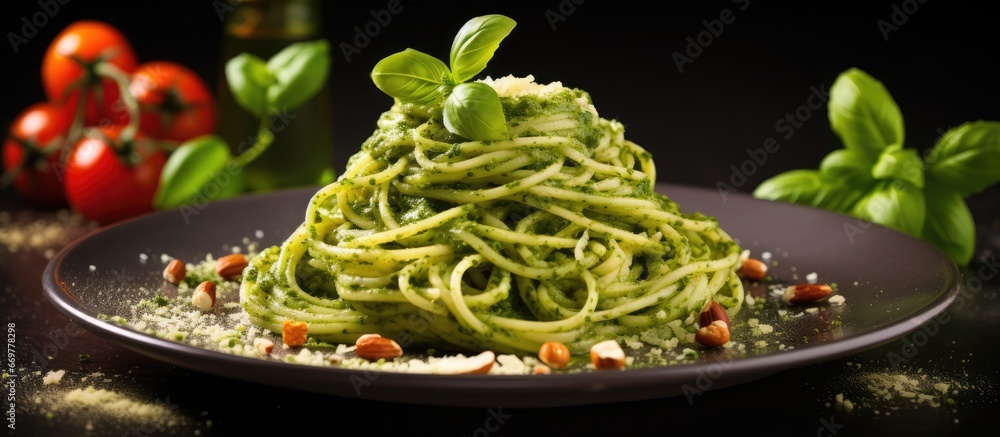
(114,403)
(53,377)
(512,86)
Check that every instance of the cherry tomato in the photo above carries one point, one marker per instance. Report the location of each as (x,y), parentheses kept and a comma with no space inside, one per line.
(175,102)
(107,180)
(68,69)
(32,150)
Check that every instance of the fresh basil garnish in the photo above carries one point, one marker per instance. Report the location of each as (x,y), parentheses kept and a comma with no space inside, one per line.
(471,110)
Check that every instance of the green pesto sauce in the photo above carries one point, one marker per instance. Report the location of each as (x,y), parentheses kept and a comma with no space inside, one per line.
(525,109)
(417,208)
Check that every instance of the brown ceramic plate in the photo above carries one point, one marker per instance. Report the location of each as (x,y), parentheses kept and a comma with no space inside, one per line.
(892,283)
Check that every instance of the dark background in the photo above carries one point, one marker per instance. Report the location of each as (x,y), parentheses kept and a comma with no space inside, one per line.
(939,65)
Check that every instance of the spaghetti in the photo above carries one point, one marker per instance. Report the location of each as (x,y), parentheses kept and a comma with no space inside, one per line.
(556,234)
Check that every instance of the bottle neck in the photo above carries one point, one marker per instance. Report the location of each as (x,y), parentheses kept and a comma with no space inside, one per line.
(274,19)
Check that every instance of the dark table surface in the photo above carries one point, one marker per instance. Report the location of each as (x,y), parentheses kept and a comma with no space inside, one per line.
(800,401)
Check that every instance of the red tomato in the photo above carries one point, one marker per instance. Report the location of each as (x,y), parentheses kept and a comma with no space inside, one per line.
(175,102)
(68,69)
(34,144)
(108,181)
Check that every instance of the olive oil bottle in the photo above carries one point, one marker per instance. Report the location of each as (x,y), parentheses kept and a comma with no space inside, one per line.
(301,154)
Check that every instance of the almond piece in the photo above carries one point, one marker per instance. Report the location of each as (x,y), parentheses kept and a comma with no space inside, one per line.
(366,336)
(476,364)
(175,271)
(373,347)
(754,269)
(715,334)
(555,354)
(204,296)
(230,267)
(607,354)
(711,312)
(806,293)
(541,369)
(263,345)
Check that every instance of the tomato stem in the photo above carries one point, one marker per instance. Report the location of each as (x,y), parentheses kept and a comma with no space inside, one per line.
(75,128)
(31,154)
(264,139)
(8,176)
(111,71)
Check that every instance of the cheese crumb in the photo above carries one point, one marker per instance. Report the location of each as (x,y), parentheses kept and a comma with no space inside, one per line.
(53,377)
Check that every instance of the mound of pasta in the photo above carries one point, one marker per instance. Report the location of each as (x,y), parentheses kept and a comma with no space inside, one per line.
(555,234)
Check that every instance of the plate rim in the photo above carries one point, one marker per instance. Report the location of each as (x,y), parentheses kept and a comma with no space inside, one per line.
(614,384)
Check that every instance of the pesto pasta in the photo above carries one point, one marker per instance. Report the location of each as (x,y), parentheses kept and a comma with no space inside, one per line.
(555,234)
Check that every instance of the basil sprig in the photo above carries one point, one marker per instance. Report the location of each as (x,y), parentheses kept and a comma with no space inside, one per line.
(203,168)
(471,110)
(875,178)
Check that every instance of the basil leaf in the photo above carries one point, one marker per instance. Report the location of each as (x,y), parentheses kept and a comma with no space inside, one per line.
(894,204)
(847,166)
(249,79)
(473,111)
(863,114)
(950,225)
(300,71)
(808,187)
(412,77)
(475,44)
(967,158)
(895,162)
(190,168)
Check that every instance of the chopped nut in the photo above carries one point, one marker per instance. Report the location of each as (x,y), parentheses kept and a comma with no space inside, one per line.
(263,345)
(806,293)
(373,347)
(715,334)
(711,312)
(294,333)
(607,354)
(754,269)
(230,267)
(477,364)
(542,369)
(364,337)
(555,354)
(175,271)
(204,296)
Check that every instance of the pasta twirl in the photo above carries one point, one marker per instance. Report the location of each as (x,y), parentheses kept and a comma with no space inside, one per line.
(556,234)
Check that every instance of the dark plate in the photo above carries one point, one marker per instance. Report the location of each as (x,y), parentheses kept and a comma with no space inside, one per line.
(892,284)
